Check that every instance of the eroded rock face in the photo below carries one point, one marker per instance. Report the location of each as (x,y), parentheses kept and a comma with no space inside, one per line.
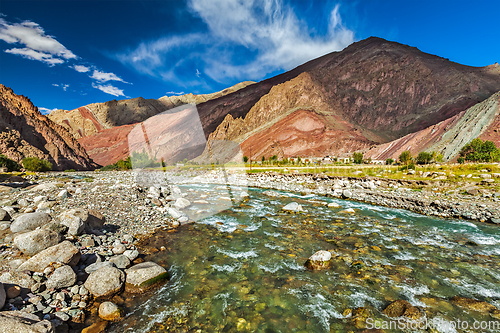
(64,252)
(144,276)
(25,132)
(319,260)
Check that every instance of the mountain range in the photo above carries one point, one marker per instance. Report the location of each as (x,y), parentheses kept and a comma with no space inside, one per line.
(375,96)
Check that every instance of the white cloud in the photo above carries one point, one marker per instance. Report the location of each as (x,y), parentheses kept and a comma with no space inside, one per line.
(174,93)
(46,110)
(35,55)
(109,89)
(64,86)
(104,77)
(268,30)
(38,45)
(81,68)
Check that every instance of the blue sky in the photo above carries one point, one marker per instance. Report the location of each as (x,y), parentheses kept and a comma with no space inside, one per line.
(66,54)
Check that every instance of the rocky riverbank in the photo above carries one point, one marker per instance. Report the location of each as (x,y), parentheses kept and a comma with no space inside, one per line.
(67,240)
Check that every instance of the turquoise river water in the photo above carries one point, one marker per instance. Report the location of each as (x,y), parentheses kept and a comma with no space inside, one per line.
(242,269)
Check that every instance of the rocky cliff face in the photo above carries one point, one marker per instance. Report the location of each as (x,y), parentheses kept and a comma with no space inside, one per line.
(25,132)
(372,92)
(449,136)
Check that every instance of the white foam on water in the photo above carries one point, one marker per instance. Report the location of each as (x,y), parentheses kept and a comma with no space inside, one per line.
(405,256)
(485,240)
(359,299)
(411,291)
(273,247)
(294,265)
(442,325)
(238,254)
(270,269)
(226,268)
(273,234)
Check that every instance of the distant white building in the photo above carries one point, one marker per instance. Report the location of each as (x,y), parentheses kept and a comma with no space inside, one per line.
(381,162)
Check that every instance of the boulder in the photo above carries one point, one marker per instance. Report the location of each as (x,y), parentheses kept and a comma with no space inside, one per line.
(174,213)
(10,279)
(346,194)
(62,277)
(293,207)
(131,254)
(13,292)
(96,327)
(64,252)
(95,266)
(18,321)
(473,304)
(2,295)
(4,215)
(144,276)
(402,308)
(32,242)
(74,223)
(63,194)
(319,260)
(109,311)
(182,203)
(121,261)
(334,205)
(30,221)
(90,219)
(105,282)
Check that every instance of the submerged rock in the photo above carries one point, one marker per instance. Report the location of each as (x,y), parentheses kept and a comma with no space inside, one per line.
(144,276)
(474,304)
(334,205)
(319,260)
(347,211)
(402,308)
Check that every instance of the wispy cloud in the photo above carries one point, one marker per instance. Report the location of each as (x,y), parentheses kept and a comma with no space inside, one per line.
(104,77)
(174,93)
(63,86)
(37,45)
(81,68)
(46,110)
(109,89)
(266,34)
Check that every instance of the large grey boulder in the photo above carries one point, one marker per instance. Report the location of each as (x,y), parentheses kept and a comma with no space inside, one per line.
(10,279)
(144,276)
(62,277)
(64,252)
(32,242)
(90,219)
(2,295)
(74,223)
(4,215)
(29,221)
(105,282)
(97,265)
(18,321)
(109,311)
(182,203)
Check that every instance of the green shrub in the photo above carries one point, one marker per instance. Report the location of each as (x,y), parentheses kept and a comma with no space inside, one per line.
(120,165)
(405,157)
(11,165)
(424,157)
(479,151)
(35,164)
(70,170)
(461,160)
(389,161)
(358,158)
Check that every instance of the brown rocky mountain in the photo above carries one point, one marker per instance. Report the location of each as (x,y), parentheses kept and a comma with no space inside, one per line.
(372,92)
(449,136)
(93,118)
(102,128)
(25,132)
